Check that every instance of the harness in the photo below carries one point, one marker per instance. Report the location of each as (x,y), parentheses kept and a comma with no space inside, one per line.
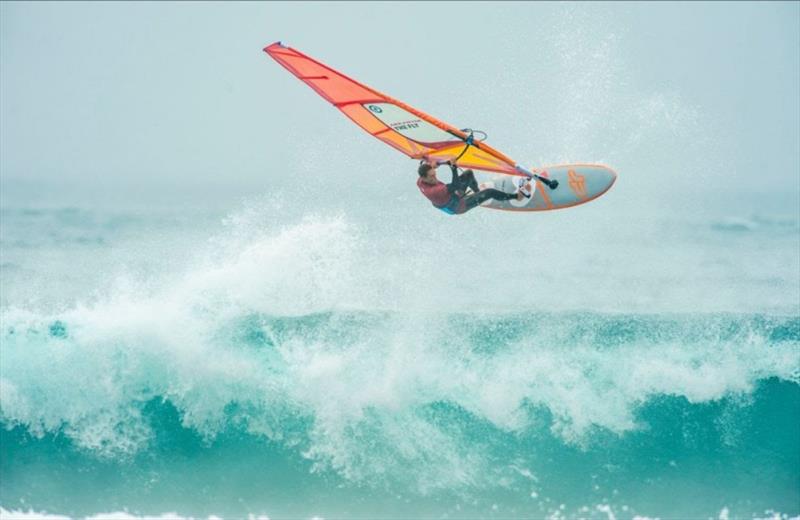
(451,207)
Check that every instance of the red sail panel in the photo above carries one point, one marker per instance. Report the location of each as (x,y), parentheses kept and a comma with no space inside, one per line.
(405,128)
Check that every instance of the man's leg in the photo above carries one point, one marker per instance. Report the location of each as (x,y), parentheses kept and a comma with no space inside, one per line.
(468,179)
(476,199)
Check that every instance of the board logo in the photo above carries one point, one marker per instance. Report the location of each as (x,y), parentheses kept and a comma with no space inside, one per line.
(375,109)
(577,183)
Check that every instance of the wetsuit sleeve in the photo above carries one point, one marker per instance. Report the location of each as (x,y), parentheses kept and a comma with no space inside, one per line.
(454,184)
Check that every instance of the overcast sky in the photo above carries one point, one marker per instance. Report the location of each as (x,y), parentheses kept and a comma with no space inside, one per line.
(176,92)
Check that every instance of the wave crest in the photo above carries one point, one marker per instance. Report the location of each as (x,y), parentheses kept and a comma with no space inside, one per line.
(377,397)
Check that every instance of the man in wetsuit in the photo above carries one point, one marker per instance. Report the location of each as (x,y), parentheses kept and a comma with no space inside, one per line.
(452,197)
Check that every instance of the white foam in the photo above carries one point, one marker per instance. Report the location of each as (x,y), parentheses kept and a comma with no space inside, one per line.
(13,514)
(6,514)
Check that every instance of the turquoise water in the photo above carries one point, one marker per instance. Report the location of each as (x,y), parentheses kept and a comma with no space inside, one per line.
(247,357)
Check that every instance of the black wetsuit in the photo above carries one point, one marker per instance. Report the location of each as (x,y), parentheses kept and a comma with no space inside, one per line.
(459,203)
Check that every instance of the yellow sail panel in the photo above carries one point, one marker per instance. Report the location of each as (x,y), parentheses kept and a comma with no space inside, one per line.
(476,159)
(479,156)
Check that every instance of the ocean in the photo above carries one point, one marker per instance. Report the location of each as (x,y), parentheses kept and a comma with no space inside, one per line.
(243,355)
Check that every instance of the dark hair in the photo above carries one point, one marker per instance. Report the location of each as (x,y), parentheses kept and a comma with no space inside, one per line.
(424,168)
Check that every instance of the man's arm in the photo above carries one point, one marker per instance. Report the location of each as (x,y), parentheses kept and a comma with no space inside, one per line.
(454,185)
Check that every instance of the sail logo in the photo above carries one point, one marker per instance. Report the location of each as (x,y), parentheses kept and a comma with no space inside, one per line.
(405,125)
(375,109)
(577,183)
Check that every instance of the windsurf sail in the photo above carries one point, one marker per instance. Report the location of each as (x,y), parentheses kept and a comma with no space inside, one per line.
(397,124)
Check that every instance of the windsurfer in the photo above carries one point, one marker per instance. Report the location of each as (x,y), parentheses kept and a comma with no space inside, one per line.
(452,198)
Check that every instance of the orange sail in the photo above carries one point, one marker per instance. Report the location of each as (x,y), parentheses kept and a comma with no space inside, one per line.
(405,128)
